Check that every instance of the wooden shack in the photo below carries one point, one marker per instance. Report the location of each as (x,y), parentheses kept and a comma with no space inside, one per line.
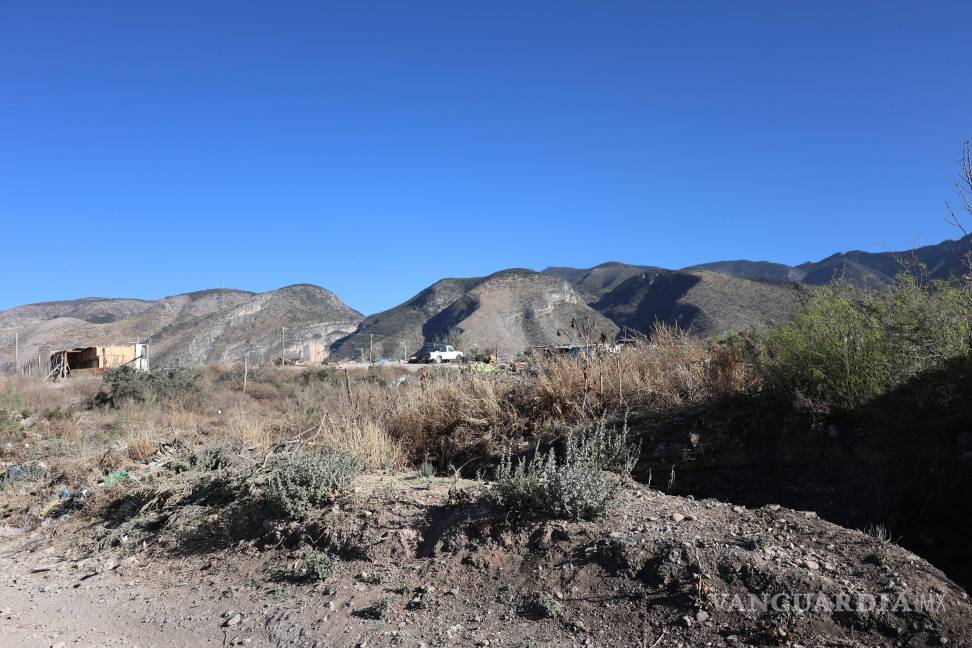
(98,358)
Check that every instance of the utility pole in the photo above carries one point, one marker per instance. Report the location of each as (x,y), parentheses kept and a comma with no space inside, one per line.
(246,369)
(281,346)
(371,348)
(16,351)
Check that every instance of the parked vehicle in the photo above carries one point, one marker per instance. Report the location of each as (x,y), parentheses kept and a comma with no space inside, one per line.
(437,353)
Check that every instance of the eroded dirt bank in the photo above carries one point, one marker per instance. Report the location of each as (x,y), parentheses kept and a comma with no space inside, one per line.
(903,462)
(427,563)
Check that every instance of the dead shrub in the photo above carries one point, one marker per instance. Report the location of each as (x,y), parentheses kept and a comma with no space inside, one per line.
(367,439)
(249,428)
(453,417)
(664,372)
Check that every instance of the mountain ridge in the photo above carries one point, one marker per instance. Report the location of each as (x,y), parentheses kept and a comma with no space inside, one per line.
(508,310)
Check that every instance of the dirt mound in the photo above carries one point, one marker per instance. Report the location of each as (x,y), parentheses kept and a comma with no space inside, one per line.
(412,561)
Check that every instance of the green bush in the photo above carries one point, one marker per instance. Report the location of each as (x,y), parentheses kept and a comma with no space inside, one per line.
(125,383)
(847,346)
(542,605)
(319,566)
(299,481)
(835,350)
(571,486)
(214,457)
(928,323)
(13,408)
(12,400)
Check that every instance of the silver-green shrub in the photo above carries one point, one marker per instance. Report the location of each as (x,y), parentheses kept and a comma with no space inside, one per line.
(300,481)
(574,485)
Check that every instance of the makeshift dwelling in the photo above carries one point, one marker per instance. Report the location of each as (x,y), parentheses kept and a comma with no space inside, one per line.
(98,358)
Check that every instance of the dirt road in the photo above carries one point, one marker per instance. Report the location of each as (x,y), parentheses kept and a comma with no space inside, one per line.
(47,599)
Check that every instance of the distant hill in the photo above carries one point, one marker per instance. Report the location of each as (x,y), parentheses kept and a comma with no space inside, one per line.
(700,302)
(595,282)
(400,329)
(508,311)
(731,295)
(96,310)
(209,326)
(880,268)
(759,270)
(865,269)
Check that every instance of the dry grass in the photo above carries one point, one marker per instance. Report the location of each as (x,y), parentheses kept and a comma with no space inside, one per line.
(367,439)
(249,427)
(391,418)
(43,398)
(667,372)
(453,417)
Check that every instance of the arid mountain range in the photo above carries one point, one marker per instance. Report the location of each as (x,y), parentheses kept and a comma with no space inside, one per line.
(209,326)
(508,311)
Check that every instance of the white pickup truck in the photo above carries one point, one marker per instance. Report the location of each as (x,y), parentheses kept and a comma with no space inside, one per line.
(437,353)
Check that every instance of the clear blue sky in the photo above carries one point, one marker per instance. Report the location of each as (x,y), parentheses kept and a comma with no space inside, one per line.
(155,147)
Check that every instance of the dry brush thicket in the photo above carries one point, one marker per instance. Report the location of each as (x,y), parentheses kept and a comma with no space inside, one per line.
(387,417)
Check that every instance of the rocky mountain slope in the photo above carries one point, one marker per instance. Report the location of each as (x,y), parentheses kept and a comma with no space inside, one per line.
(758,270)
(700,302)
(508,311)
(594,282)
(721,296)
(195,328)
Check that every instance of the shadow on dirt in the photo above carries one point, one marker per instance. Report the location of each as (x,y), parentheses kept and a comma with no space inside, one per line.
(903,461)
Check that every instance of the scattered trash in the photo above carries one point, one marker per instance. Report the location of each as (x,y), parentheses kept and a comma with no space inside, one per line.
(18,472)
(115,477)
(50,506)
(15,472)
(482,367)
